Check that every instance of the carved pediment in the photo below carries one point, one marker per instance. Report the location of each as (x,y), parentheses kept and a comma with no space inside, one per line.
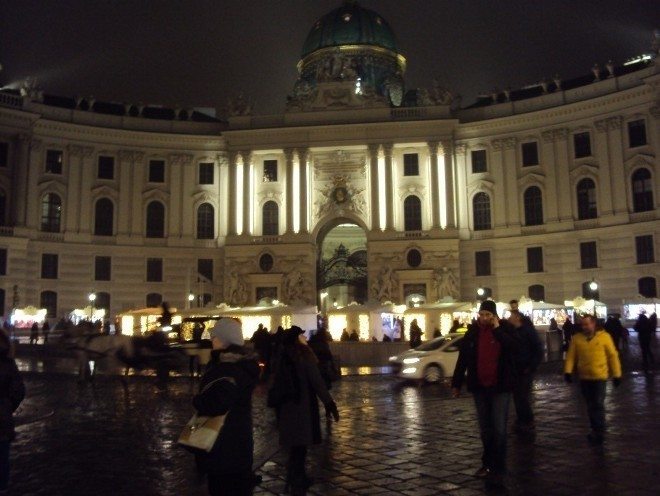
(53,185)
(480,185)
(105,191)
(204,197)
(639,160)
(531,178)
(155,194)
(586,169)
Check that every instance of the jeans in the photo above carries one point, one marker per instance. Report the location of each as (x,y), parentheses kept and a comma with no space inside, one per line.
(594,395)
(522,399)
(493,411)
(4,465)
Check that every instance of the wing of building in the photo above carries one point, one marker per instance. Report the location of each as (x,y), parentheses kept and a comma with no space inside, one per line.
(363,189)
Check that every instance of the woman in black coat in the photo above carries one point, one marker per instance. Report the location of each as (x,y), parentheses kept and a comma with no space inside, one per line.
(299,421)
(12,392)
(226,388)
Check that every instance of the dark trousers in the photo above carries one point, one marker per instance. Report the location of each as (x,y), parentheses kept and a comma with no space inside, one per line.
(594,395)
(522,398)
(230,484)
(493,411)
(296,477)
(647,354)
(4,465)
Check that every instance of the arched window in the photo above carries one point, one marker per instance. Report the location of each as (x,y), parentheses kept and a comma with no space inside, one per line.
(586,199)
(155,220)
(533,200)
(48,300)
(3,209)
(536,292)
(271,219)
(154,300)
(205,221)
(104,214)
(642,190)
(647,287)
(412,213)
(103,301)
(481,211)
(51,213)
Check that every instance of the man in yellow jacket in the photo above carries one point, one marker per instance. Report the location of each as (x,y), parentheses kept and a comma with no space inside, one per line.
(595,356)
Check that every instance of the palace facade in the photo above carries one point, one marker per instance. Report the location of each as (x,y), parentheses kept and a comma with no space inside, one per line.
(362,190)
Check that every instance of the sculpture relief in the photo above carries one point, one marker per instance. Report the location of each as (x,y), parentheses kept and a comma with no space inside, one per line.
(386,285)
(340,196)
(445,283)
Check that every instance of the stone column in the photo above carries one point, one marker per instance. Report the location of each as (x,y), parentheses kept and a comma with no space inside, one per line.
(497,201)
(551,203)
(450,209)
(247,192)
(389,187)
(435,184)
(139,176)
(88,174)
(232,197)
(619,180)
(373,180)
(176,187)
(563,177)
(221,219)
(461,187)
(604,185)
(290,205)
(510,174)
(19,193)
(303,156)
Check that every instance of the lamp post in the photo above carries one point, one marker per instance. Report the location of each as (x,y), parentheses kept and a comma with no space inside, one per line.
(481,292)
(191,298)
(92,299)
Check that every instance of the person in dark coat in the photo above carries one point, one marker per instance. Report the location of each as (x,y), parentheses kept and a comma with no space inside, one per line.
(614,328)
(345,336)
(319,343)
(45,330)
(645,332)
(415,334)
(299,422)
(262,342)
(12,392)
(487,353)
(528,357)
(231,375)
(34,333)
(568,330)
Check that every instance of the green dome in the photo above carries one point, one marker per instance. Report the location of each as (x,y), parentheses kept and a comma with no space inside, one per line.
(350,24)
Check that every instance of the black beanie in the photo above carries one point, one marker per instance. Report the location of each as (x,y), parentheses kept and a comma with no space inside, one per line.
(488,306)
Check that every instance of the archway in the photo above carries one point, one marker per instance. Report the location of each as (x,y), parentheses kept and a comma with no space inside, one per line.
(341,269)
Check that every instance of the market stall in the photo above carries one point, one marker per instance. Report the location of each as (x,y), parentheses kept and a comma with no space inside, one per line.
(440,316)
(91,314)
(581,306)
(23,318)
(542,312)
(633,308)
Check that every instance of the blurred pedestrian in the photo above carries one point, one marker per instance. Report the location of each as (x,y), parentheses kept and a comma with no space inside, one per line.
(263,345)
(12,392)
(226,388)
(645,331)
(415,334)
(319,344)
(34,333)
(355,337)
(45,330)
(296,386)
(568,330)
(593,353)
(487,353)
(345,336)
(615,329)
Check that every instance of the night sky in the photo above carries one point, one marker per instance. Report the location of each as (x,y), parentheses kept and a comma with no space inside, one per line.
(197,53)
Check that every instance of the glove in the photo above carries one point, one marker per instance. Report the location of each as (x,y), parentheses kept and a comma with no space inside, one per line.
(331,411)
(568,378)
(616,381)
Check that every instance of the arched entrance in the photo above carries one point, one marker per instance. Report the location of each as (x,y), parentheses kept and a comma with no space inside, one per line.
(341,268)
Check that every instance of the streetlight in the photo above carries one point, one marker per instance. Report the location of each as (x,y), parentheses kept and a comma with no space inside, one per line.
(92,299)
(593,286)
(191,298)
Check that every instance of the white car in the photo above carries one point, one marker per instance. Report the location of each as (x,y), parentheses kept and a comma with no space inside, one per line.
(430,361)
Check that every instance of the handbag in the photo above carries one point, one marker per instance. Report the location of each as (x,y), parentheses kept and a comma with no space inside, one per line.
(201,432)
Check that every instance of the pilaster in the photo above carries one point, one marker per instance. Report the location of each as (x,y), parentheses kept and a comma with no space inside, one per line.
(290,205)
(435,184)
(389,187)
(373,182)
(303,157)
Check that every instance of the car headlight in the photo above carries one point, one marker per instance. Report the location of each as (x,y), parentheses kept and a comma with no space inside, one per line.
(409,370)
(410,360)
(393,358)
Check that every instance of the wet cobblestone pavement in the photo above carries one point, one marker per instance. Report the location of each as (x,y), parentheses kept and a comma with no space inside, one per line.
(393,438)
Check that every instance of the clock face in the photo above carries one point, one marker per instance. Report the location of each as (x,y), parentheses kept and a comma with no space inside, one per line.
(340,195)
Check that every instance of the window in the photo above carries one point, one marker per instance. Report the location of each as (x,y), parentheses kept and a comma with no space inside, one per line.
(482,263)
(535,259)
(586,199)
(206,170)
(479,161)
(588,255)
(588,293)
(637,133)
(270,171)
(106,167)
(536,292)
(582,145)
(102,268)
(155,220)
(414,258)
(647,287)
(104,213)
(205,269)
(54,159)
(410,164)
(644,249)
(156,171)
(412,213)
(4,154)
(270,222)
(642,190)
(266,262)
(154,270)
(481,211)
(530,154)
(205,221)
(49,262)
(103,301)
(48,300)
(533,200)
(3,209)
(51,213)
(154,300)
(3,261)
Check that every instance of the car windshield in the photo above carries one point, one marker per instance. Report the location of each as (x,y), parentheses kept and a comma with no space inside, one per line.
(432,345)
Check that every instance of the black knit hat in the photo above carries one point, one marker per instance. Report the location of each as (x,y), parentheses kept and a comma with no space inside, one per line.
(291,335)
(488,306)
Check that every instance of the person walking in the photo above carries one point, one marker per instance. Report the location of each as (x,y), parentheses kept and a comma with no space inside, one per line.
(487,353)
(415,334)
(12,392)
(593,353)
(34,333)
(296,386)
(263,345)
(45,330)
(645,331)
(319,344)
(615,329)
(529,355)
(226,388)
